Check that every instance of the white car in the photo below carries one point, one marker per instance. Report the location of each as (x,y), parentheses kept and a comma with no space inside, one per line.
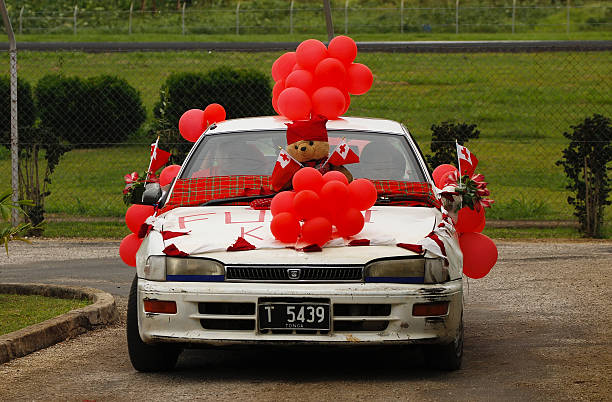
(377,288)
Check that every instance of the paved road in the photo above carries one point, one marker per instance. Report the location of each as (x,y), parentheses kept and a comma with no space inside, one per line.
(537,328)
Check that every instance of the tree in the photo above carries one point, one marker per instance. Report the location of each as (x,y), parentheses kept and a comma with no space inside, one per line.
(586,164)
(443,139)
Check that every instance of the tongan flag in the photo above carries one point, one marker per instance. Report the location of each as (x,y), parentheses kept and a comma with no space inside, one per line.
(284,170)
(159,157)
(467,161)
(343,155)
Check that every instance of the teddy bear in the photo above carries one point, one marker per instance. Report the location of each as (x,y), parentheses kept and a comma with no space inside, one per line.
(307,143)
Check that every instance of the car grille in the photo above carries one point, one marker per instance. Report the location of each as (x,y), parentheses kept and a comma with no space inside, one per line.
(361,317)
(294,273)
(227,316)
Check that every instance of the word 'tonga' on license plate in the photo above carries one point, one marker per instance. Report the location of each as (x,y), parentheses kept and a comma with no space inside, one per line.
(294,316)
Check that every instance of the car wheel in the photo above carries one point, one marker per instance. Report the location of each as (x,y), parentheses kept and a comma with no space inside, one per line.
(146,357)
(447,357)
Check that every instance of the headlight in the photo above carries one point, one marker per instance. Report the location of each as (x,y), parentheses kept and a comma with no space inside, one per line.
(436,270)
(407,270)
(400,270)
(161,268)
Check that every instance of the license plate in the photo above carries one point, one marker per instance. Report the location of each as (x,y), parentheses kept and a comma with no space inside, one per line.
(294,316)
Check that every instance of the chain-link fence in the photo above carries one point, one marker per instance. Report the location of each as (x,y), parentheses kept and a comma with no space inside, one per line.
(107,105)
(289,17)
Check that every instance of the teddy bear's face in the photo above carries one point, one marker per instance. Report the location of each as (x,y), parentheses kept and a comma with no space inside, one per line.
(303,151)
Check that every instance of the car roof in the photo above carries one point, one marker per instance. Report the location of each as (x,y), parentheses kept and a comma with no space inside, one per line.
(278,123)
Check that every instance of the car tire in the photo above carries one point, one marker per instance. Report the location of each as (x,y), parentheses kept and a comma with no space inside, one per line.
(144,357)
(449,356)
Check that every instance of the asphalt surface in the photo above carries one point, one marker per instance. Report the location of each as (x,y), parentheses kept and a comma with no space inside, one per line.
(538,327)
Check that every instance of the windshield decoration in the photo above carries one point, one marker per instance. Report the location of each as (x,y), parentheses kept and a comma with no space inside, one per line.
(318,80)
(308,146)
(463,194)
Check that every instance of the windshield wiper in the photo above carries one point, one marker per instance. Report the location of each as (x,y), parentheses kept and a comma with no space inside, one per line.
(388,198)
(237,199)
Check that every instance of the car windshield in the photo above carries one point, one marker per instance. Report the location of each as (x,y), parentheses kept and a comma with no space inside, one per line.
(382,156)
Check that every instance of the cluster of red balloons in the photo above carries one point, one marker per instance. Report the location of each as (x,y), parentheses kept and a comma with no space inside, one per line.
(317,80)
(479,251)
(135,217)
(195,121)
(320,201)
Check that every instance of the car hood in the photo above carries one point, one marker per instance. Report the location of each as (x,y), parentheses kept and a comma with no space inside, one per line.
(210,231)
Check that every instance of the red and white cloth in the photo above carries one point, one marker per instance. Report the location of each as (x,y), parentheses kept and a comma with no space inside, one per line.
(159,157)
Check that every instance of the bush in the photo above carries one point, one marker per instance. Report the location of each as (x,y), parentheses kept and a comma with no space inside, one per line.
(89,112)
(585,162)
(443,139)
(26,111)
(242,92)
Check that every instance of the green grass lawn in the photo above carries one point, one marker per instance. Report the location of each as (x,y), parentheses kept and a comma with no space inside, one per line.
(20,311)
(521,103)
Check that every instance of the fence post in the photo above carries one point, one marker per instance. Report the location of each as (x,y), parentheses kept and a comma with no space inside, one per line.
(14,125)
(402,16)
(457,17)
(346,17)
(513,14)
(21,20)
(567,25)
(130,18)
(238,18)
(76,10)
(291,18)
(183,17)
(328,20)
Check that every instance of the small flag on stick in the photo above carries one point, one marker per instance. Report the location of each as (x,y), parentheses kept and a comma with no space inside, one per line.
(284,169)
(467,161)
(343,155)
(159,157)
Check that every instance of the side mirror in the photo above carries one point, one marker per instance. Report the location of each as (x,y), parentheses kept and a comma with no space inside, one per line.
(152,193)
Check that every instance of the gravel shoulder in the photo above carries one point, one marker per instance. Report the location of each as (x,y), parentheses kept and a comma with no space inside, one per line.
(538,327)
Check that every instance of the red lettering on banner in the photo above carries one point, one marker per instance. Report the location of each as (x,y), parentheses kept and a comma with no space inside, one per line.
(368,216)
(260,219)
(182,219)
(243,233)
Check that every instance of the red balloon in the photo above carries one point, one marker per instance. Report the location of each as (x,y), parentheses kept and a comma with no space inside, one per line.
(285,227)
(350,222)
(479,254)
(440,171)
(363,194)
(282,202)
(294,104)
(335,195)
(214,113)
(335,175)
(359,79)
(330,72)
(192,124)
(317,230)
(469,220)
(347,101)
(328,102)
(168,174)
(343,48)
(307,204)
(278,88)
(283,66)
(128,248)
(307,179)
(302,79)
(309,53)
(136,215)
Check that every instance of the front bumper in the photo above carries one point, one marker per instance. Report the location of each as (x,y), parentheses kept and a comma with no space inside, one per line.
(393,323)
